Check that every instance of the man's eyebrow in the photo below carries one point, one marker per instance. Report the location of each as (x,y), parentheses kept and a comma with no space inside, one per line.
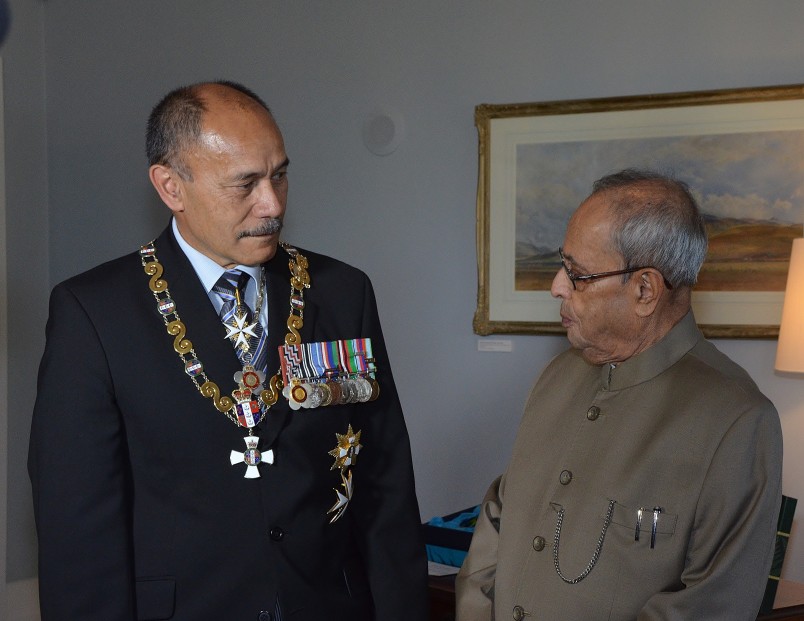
(574,263)
(245,176)
(249,176)
(283,164)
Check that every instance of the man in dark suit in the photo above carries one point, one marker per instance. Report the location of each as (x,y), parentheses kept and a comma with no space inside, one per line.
(173,475)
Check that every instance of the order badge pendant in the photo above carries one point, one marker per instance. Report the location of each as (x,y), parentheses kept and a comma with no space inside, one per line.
(239,330)
(252,457)
(247,409)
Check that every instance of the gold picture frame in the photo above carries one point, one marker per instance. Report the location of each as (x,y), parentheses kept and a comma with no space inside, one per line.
(566,145)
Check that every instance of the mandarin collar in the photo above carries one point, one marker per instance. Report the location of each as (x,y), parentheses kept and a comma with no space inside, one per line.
(654,360)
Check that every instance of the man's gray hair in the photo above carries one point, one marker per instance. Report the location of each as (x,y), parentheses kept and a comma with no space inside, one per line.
(657,222)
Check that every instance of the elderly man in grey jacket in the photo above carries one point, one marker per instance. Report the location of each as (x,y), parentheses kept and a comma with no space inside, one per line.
(645,479)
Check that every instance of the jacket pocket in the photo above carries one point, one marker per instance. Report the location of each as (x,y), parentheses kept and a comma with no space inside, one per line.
(638,523)
(156,598)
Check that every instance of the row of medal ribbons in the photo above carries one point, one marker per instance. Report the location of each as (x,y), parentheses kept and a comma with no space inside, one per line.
(328,373)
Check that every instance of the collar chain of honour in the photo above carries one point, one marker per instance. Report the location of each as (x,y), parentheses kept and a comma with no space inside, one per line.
(241,408)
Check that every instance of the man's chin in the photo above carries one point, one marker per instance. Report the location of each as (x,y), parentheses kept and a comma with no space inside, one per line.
(575,341)
(262,251)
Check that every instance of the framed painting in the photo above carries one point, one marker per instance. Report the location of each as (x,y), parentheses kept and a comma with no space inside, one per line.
(741,151)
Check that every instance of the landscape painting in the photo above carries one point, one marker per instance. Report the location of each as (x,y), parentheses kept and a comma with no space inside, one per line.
(741,151)
(750,188)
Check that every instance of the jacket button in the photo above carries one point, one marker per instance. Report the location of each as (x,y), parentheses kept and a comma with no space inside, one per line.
(593,412)
(565,477)
(519,613)
(538,543)
(276,534)
(265,616)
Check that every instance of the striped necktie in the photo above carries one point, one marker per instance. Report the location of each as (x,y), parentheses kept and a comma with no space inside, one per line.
(231,283)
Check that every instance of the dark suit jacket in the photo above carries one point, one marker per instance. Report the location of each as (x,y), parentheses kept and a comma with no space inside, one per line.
(139,513)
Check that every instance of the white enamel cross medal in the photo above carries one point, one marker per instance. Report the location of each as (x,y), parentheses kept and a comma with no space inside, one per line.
(239,330)
(252,457)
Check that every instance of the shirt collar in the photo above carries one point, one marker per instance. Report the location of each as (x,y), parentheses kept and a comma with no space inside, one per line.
(207,270)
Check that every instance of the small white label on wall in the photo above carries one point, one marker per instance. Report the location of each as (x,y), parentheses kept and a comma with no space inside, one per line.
(503,345)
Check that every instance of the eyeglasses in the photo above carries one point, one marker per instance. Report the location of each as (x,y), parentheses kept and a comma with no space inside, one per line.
(573,277)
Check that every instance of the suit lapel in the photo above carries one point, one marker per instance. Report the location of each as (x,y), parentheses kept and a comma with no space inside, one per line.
(277,279)
(277,291)
(277,275)
(277,285)
(204,328)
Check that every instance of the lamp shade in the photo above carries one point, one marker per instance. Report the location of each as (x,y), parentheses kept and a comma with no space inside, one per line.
(790,351)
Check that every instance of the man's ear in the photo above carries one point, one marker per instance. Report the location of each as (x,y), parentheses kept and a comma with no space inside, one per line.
(168,185)
(649,290)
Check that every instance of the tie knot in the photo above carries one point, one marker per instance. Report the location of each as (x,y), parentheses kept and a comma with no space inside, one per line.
(238,278)
(231,281)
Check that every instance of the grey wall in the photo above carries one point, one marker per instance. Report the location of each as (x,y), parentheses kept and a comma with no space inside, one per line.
(28,278)
(408,218)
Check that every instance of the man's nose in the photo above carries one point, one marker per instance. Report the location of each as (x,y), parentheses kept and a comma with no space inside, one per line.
(561,287)
(270,200)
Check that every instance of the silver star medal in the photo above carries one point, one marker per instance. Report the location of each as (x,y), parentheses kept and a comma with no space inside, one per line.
(239,331)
